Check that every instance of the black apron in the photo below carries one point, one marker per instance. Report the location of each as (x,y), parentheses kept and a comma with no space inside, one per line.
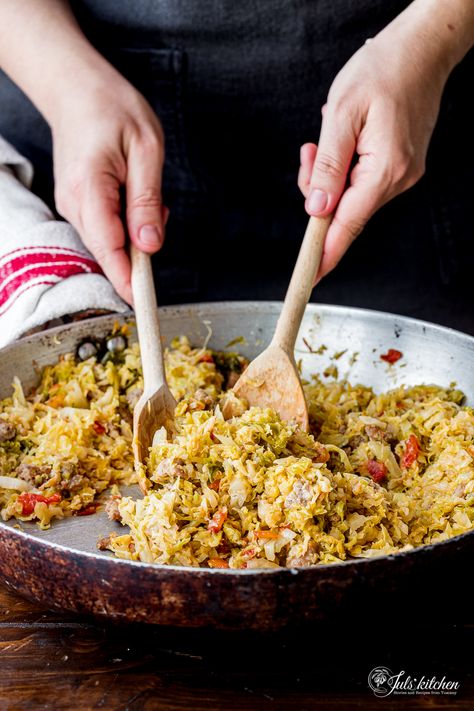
(238,88)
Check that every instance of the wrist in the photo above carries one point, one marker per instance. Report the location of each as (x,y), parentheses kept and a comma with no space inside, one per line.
(49,59)
(444,27)
(93,77)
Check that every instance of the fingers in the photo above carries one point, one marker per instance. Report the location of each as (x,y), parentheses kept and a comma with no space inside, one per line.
(377,177)
(102,230)
(146,215)
(357,205)
(307,157)
(336,147)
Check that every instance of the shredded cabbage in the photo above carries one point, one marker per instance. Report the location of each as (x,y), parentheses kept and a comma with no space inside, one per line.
(378,473)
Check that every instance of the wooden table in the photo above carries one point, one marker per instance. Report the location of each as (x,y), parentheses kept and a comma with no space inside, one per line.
(63,661)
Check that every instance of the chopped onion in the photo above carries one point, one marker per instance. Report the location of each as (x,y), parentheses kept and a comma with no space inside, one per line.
(11,482)
(366,420)
(261,563)
(160,437)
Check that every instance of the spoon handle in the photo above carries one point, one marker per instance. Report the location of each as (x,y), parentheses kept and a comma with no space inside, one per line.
(301,284)
(146,314)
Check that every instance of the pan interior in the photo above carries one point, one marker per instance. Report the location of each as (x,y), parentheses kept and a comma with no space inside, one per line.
(352,340)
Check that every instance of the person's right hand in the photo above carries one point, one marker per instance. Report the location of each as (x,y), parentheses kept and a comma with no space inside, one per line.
(105,138)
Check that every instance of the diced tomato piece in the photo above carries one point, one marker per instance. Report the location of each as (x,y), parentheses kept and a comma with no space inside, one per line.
(411,453)
(53,499)
(268,535)
(88,510)
(215,485)
(217,563)
(206,358)
(392,355)
(322,454)
(217,521)
(377,470)
(99,428)
(56,401)
(28,501)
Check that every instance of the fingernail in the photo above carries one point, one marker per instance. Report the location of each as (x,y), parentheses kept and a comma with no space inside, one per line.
(317,201)
(149,236)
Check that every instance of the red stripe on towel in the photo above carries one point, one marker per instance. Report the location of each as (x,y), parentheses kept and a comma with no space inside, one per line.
(24,267)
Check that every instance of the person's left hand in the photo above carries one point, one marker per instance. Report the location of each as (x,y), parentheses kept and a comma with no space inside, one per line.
(382,106)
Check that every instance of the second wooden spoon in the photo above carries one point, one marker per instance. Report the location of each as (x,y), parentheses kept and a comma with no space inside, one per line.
(272,379)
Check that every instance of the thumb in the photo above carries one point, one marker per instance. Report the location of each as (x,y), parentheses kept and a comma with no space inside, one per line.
(336,147)
(145,210)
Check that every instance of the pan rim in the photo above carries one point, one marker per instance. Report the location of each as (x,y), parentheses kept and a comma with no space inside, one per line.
(237,305)
(323,567)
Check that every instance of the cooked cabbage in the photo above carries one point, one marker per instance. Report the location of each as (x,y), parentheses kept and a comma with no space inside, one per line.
(379,473)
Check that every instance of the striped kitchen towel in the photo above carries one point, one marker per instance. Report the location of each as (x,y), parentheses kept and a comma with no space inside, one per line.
(45,270)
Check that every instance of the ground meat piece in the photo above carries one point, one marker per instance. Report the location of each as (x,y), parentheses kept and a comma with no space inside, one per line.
(76,482)
(201,400)
(311,557)
(167,469)
(321,454)
(355,441)
(112,508)
(300,495)
(375,432)
(103,543)
(7,431)
(231,380)
(71,477)
(389,435)
(32,473)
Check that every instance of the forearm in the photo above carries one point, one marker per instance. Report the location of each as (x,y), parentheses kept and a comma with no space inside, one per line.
(446,27)
(44,51)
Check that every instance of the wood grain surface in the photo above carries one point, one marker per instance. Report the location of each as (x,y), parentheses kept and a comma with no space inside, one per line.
(63,661)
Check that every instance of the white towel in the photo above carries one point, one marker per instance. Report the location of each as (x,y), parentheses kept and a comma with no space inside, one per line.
(45,270)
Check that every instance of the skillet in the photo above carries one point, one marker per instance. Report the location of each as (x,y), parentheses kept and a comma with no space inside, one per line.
(63,569)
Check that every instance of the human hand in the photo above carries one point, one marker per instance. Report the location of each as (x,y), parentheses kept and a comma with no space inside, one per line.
(382,106)
(106,137)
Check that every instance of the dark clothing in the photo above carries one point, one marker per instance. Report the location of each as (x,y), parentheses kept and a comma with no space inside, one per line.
(239,87)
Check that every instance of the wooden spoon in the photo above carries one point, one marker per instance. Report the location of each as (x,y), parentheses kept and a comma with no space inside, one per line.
(272,379)
(156,406)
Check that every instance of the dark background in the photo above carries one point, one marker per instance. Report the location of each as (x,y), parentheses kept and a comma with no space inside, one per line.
(239,87)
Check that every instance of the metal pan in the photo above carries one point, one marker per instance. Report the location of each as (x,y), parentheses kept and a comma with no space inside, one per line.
(62,567)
